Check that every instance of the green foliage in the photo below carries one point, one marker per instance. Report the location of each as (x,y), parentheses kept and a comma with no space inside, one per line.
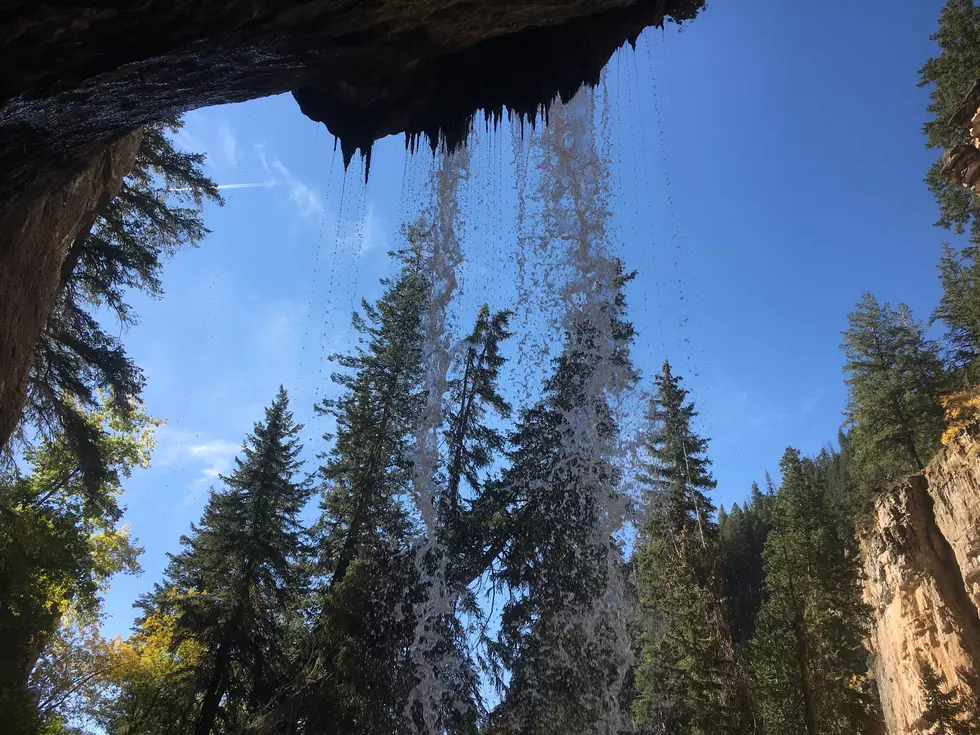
(72,680)
(678,475)
(742,534)
(360,668)
(952,74)
(360,677)
(368,468)
(243,560)
(687,675)
(894,381)
(807,654)
(60,543)
(471,443)
(153,676)
(561,652)
(959,307)
(157,211)
(946,712)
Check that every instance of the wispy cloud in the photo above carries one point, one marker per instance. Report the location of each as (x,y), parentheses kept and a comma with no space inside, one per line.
(202,133)
(190,142)
(229,144)
(277,329)
(360,236)
(307,201)
(208,457)
(250,185)
(373,230)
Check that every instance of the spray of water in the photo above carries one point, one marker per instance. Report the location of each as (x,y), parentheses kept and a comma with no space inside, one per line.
(433,661)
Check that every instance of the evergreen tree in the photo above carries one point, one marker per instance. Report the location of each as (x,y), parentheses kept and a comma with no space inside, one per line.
(558,639)
(471,508)
(946,712)
(894,381)
(687,675)
(243,561)
(157,212)
(742,535)
(359,678)
(471,444)
(952,75)
(807,653)
(959,307)
(678,475)
(447,689)
(834,470)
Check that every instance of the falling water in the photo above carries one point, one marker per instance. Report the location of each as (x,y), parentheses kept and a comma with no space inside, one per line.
(433,664)
(574,197)
(566,282)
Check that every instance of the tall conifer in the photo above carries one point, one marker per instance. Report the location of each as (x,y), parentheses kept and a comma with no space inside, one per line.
(557,638)
(687,675)
(236,586)
(808,655)
(894,379)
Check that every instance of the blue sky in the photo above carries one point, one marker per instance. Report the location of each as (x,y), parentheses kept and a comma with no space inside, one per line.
(767,168)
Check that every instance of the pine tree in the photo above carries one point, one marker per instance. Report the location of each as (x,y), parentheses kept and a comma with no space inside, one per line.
(447,694)
(952,74)
(894,381)
(359,677)
(959,306)
(807,654)
(157,212)
(687,675)
(243,563)
(453,554)
(471,444)
(742,535)
(469,507)
(946,712)
(558,639)
(678,475)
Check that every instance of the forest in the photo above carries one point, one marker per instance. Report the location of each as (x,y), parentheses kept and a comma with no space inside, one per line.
(348,595)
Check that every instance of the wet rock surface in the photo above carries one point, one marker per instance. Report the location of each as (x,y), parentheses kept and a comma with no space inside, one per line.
(78,74)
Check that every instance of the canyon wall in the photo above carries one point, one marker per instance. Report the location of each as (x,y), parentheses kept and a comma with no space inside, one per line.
(921,556)
(35,235)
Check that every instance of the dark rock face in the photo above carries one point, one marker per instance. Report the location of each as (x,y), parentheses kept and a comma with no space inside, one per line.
(367,68)
(42,221)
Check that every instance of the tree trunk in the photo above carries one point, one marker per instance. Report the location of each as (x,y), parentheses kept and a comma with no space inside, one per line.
(215,691)
(803,659)
(39,224)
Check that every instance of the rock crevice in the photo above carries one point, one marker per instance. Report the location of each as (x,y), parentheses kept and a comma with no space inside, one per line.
(920,552)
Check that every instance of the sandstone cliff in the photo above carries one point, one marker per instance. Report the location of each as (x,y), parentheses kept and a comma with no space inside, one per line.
(921,555)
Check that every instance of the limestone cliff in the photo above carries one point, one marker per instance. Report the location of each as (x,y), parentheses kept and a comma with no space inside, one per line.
(921,556)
